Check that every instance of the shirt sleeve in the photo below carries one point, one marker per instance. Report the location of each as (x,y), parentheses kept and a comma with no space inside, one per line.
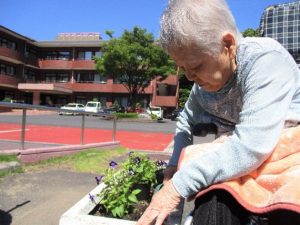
(191,114)
(267,93)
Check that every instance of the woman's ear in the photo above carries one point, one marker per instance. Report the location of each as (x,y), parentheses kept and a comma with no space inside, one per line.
(229,43)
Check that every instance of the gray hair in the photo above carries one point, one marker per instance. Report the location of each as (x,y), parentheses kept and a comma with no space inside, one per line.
(200,22)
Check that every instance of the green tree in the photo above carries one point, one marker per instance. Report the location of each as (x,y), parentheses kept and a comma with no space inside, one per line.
(251,33)
(185,87)
(109,33)
(134,59)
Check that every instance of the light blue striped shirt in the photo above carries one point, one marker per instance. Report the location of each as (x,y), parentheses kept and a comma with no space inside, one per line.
(254,104)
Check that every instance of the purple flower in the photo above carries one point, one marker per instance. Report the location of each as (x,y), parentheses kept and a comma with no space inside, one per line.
(130,172)
(137,160)
(113,164)
(99,179)
(160,163)
(92,198)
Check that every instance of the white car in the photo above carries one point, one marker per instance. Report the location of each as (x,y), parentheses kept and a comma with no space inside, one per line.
(156,111)
(92,106)
(72,106)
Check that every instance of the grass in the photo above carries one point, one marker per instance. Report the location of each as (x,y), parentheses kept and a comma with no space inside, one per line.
(91,161)
(11,172)
(8,158)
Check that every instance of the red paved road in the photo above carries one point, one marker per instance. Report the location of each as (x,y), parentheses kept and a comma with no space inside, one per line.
(71,135)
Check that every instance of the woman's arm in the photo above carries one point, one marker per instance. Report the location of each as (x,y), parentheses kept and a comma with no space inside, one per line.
(191,114)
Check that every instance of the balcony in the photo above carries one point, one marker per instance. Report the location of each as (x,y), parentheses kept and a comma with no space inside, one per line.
(166,101)
(84,64)
(11,55)
(9,81)
(56,64)
(99,87)
(67,64)
(54,88)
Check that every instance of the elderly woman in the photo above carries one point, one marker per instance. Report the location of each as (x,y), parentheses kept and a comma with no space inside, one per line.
(248,87)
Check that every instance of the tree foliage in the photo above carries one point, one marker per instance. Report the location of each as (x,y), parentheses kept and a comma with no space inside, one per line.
(251,33)
(134,59)
(185,87)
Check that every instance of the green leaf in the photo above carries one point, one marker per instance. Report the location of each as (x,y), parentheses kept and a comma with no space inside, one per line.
(136,191)
(132,198)
(120,211)
(113,211)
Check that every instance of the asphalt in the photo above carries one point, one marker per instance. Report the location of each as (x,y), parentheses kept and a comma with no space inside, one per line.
(41,197)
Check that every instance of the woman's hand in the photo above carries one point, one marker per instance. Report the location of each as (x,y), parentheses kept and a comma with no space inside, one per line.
(169,172)
(161,205)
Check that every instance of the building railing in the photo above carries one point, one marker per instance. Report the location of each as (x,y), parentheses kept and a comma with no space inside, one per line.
(25,107)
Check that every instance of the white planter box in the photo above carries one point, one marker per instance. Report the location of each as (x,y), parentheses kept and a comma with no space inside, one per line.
(79,213)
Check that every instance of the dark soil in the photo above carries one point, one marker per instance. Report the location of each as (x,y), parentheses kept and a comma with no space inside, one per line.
(134,216)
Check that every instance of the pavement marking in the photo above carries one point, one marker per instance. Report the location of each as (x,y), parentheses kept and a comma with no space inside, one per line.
(9,131)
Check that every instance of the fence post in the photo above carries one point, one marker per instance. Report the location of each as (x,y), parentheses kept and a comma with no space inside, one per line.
(23,129)
(114,128)
(82,129)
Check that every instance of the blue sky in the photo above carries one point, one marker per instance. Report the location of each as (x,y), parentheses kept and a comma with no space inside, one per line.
(42,20)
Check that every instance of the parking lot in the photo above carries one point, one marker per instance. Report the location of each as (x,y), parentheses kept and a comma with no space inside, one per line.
(50,129)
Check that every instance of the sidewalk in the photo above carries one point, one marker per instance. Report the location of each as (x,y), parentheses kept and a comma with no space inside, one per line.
(28,112)
(41,197)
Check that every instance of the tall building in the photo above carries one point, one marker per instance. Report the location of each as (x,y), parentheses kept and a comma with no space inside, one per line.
(61,71)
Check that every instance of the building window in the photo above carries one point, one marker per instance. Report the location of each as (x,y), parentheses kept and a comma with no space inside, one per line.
(50,78)
(2,69)
(81,55)
(29,75)
(64,55)
(58,55)
(91,78)
(62,78)
(56,78)
(7,69)
(8,44)
(100,79)
(88,55)
(30,51)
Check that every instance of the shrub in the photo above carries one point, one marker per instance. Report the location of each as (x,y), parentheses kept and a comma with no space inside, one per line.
(127,115)
(123,182)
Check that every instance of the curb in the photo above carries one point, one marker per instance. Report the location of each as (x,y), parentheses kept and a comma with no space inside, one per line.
(9,166)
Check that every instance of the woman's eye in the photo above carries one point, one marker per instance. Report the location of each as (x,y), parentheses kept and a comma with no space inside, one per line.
(197,68)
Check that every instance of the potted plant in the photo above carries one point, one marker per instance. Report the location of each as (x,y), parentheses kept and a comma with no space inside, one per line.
(122,194)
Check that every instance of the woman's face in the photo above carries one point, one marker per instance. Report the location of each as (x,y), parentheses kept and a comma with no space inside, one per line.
(208,72)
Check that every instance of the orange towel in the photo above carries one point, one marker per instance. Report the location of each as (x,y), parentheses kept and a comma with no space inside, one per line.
(274,185)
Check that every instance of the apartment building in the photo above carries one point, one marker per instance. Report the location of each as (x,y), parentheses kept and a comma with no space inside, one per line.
(61,71)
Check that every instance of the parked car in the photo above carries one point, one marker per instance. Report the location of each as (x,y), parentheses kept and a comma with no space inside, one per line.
(94,107)
(175,114)
(72,106)
(111,110)
(157,111)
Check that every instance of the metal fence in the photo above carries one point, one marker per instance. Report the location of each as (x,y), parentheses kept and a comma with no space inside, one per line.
(26,107)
